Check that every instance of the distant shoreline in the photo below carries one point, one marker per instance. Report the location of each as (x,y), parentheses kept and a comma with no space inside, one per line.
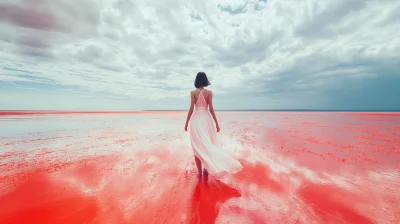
(5,113)
(16,112)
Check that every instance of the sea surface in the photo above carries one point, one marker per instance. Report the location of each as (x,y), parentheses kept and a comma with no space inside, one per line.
(138,167)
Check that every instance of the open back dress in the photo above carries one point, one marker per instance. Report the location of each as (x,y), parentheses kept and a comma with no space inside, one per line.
(203,137)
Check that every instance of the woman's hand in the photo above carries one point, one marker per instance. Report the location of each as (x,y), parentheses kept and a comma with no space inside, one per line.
(186,127)
(218,129)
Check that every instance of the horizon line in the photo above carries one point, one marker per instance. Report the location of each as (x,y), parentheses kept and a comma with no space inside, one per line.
(338,110)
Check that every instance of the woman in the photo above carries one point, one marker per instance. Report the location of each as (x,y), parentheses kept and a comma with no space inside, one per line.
(203,132)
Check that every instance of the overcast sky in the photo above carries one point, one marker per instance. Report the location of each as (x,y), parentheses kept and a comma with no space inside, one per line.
(141,54)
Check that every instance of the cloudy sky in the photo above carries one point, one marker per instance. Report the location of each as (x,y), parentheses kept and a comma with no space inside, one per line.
(258,54)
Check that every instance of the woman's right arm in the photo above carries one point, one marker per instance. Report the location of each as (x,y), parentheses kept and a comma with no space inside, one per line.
(211,107)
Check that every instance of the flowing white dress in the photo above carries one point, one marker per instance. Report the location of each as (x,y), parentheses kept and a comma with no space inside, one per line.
(203,138)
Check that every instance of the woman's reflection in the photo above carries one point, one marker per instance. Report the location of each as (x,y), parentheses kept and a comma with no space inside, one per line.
(208,196)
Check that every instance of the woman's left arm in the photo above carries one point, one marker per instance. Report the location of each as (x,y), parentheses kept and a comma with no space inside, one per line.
(190,112)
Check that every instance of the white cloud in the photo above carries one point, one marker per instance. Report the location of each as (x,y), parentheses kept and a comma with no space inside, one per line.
(251,50)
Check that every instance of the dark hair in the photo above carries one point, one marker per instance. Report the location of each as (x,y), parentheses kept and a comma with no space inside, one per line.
(201,80)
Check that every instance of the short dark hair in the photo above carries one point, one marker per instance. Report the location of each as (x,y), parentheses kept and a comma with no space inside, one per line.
(201,80)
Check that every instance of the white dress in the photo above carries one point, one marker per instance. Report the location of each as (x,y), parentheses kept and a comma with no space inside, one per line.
(203,138)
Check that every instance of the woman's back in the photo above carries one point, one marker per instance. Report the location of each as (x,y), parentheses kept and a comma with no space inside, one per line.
(201,98)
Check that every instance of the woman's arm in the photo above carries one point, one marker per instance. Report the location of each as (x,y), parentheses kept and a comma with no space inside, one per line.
(211,106)
(190,112)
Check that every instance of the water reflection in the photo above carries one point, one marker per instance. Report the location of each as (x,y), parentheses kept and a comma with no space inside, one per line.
(139,168)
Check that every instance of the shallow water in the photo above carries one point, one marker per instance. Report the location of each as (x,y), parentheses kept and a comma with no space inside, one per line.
(299,167)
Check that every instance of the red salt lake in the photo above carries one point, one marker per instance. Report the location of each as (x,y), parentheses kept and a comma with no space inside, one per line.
(299,167)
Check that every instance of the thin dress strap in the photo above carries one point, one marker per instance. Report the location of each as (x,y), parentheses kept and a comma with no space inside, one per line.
(201,93)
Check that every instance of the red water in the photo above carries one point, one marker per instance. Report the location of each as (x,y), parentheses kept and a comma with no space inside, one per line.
(298,168)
